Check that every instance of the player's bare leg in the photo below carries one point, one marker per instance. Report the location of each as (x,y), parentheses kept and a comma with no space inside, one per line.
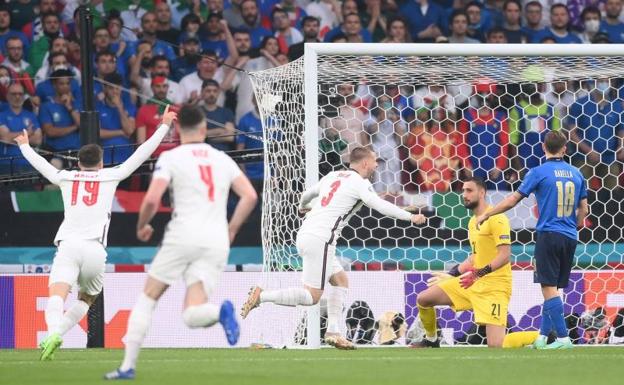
(335,302)
(495,335)
(294,296)
(138,323)
(57,293)
(432,296)
(199,313)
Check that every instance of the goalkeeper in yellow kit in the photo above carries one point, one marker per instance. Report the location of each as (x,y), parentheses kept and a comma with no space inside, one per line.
(482,282)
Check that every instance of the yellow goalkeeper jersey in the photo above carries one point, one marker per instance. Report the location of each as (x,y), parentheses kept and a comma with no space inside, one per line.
(492,233)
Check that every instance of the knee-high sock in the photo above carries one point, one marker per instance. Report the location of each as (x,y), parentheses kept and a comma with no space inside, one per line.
(546,323)
(73,315)
(554,308)
(54,314)
(428,318)
(201,316)
(287,297)
(520,339)
(335,303)
(138,323)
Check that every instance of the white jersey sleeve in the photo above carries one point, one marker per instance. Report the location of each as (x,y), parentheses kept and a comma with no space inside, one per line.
(40,164)
(308,195)
(372,200)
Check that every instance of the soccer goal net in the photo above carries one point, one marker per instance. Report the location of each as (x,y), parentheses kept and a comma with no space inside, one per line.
(436,114)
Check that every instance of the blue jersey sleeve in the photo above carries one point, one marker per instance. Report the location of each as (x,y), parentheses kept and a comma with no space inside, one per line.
(45,117)
(530,182)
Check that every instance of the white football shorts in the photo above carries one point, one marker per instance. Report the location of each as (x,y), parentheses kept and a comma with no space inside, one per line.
(319,260)
(191,263)
(80,262)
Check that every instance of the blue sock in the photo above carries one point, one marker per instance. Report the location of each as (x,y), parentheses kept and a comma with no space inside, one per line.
(546,325)
(554,309)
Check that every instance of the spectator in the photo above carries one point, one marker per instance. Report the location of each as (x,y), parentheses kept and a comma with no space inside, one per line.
(14,60)
(51,25)
(327,12)
(33,30)
(477,28)
(286,34)
(149,27)
(612,24)
(220,120)
(529,121)
(595,125)
(250,123)
(215,7)
(13,120)
(217,37)
(149,115)
(310,35)
(60,117)
(459,29)
(164,30)
(386,131)
(485,128)
(187,62)
(207,68)
(374,20)
(118,45)
(22,12)
(424,18)
(102,43)
(159,66)
(233,15)
(352,29)
(496,35)
(6,32)
(132,19)
(397,31)
(349,120)
(511,26)
(45,90)
(559,20)
(251,22)
(59,45)
(591,23)
(6,78)
(293,11)
(191,27)
(105,64)
(533,16)
(116,121)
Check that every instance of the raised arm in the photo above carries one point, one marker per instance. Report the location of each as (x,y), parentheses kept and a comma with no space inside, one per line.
(143,152)
(36,160)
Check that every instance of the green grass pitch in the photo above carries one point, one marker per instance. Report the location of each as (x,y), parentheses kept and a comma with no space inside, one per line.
(326,366)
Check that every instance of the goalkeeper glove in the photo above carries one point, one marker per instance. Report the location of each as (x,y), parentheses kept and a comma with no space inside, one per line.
(470,277)
(438,277)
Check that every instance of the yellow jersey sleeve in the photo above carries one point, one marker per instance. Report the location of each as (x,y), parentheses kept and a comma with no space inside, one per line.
(500,229)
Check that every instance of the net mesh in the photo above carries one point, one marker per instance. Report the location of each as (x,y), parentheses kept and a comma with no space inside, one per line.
(434,121)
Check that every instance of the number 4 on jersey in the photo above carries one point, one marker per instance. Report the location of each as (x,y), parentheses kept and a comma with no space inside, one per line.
(206,177)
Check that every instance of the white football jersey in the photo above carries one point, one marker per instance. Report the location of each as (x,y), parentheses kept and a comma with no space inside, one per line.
(88,195)
(341,194)
(199,179)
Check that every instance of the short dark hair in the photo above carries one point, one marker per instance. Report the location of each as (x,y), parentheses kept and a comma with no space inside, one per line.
(189,117)
(559,5)
(494,30)
(62,73)
(104,53)
(507,2)
(49,14)
(358,154)
(157,59)
(114,79)
(6,42)
(309,19)
(590,9)
(210,82)
(90,155)
(533,3)
(457,13)
(52,55)
(555,141)
(478,181)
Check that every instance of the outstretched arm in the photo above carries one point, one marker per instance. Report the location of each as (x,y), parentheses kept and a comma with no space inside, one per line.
(36,160)
(508,203)
(143,152)
(373,201)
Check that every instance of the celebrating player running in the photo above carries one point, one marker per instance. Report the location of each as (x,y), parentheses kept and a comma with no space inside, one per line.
(341,194)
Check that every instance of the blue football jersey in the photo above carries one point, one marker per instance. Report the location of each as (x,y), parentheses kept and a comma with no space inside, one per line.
(558,189)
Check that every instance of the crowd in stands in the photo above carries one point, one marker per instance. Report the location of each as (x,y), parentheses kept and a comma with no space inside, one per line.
(177,51)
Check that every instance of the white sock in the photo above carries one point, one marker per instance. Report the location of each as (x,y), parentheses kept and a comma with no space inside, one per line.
(54,314)
(287,297)
(73,316)
(335,303)
(138,323)
(563,339)
(201,316)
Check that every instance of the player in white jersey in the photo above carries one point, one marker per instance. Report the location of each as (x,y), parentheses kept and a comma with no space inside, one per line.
(81,240)
(341,194)
(197,240)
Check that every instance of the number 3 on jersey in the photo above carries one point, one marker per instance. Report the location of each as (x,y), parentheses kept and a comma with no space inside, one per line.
(90,198)
(206,177)
(334,186)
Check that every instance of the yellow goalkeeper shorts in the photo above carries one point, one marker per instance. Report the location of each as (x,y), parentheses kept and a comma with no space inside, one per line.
(488,300)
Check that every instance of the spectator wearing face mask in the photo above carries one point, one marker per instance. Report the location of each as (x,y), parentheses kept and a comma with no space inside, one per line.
(591,24)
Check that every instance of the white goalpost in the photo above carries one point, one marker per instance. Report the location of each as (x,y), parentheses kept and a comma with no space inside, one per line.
(435,114)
